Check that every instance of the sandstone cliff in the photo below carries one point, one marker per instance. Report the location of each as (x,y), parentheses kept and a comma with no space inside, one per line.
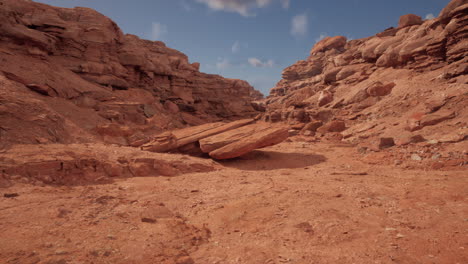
(403,84)
(71,75)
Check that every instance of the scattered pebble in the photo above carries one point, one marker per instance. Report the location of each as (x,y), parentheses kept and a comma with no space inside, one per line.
(416,157)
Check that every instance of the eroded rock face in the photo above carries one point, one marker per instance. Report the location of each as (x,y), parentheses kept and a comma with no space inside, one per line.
(410,77)
(77,64)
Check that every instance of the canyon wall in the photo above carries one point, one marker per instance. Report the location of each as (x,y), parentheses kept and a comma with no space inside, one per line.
(401,85)
(71,75)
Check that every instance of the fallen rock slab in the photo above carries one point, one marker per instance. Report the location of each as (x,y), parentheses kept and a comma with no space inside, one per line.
(172,140)
(193,134)
(212,143)
(219,140)
(264,138)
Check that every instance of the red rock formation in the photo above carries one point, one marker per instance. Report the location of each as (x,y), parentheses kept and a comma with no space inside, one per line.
(409,20)
(416,72)
(93,163)
(65,72)
(219,140)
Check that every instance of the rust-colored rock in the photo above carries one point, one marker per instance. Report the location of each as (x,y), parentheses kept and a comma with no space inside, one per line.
(379,89)
(333,126)
(260,139)
(243,136)
(97,75)
(379,81)
(329,43)
(212,143)
(80,164)
(325,98)
(193,134)
(409,20)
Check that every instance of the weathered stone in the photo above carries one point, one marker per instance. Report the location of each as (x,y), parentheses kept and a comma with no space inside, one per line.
(312,126)
(328,43)
(437,117)
(264,138)
(409,20)
(379,89)
(332,126)
(220,140)
(161,143)
(325,98)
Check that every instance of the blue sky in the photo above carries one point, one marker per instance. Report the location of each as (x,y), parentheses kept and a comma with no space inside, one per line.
(253,40)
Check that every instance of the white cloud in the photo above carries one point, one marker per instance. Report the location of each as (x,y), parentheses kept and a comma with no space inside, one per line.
(236,47)
(322,36)
(260,64)
(242,7)
(158,31)
(430,16)
(299,25)
(285,3)
(223,64)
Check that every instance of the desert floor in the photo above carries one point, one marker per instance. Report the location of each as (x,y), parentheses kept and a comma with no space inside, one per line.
(296,202)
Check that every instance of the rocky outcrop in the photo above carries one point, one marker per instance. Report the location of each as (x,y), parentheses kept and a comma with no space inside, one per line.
(219,140)
(74,164)
(412,77)
(409,20)
(77,68)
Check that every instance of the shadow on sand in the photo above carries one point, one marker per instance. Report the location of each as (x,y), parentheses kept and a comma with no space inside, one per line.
(273,160)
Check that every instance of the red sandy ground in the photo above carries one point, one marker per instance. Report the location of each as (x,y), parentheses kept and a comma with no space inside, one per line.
(292,203)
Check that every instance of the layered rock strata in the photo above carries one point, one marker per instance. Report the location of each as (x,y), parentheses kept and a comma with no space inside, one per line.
(71,75)
(408,79)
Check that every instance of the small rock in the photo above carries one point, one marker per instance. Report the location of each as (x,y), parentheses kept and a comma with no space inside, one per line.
(416,157)
(10,195)
(312,126)
(333,126)
(383,143)
(148,220)
(61,252)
